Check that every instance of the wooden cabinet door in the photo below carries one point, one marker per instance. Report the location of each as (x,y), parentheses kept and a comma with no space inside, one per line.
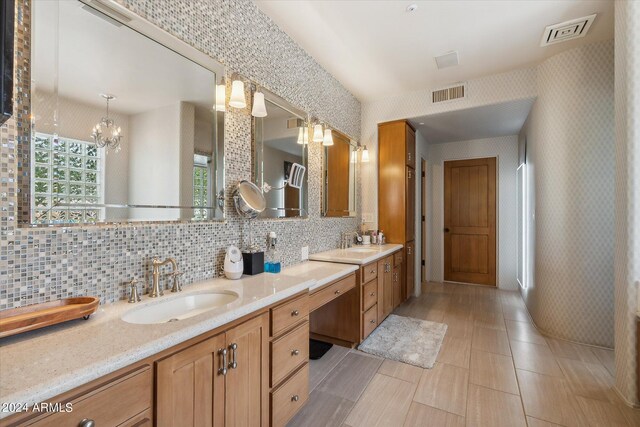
(410,265)
(247,379)
(190,391)
(410,141)
(410,211)
(387,297)
(397,286)
(391,181)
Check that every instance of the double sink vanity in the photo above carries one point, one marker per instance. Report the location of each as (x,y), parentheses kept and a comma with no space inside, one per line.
(222,352)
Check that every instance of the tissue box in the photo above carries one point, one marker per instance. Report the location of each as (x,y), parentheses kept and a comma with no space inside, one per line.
(253,262)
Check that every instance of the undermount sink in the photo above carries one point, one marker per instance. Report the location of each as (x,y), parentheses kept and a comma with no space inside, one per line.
(361,250)
(179,308)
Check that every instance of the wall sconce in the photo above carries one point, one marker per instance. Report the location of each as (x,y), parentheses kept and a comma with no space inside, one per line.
(259,108)
(303,136)
(327,141)
(221,97)
(317,133)
(237,95)
(365,154)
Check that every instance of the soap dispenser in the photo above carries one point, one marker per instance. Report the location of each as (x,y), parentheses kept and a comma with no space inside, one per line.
(272,264)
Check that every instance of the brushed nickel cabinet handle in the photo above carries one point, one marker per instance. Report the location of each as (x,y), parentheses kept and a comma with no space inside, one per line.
(295,352)
(372,294)
(295,313)
(234,350)
(372,271)
(223,369)
(409,250)
(295,398)
(372,321)
(87,422)
(337,292)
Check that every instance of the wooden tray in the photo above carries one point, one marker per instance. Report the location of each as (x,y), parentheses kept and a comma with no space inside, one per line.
(36,316)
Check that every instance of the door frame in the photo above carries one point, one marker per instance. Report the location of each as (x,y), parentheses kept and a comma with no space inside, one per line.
(441,223)
(423,221)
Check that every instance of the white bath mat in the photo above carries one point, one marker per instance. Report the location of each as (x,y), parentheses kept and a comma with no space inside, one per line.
(405,339)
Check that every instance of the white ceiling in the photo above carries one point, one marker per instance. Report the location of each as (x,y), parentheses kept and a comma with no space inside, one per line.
(96,56)
(488,121)
(376,49)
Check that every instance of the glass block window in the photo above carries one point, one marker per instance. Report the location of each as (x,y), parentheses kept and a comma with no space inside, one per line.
(66,171)
(201,185)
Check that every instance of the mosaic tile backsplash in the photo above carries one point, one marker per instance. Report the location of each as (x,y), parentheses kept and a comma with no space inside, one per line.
(41,264)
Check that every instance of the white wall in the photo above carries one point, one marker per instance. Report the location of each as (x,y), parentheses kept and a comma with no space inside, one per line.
(505,148)
(571,161)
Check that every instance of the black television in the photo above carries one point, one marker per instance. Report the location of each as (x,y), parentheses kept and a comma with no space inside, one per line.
(6,60)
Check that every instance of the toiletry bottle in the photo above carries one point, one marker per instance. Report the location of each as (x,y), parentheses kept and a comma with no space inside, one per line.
(272,264)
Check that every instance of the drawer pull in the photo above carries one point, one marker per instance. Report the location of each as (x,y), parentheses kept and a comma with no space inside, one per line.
(295,313)
(372,321)
(87,422)
(372,271)
(223,369)
(295,352)
(372,294)
(295,398)
(234,349)
(337,292)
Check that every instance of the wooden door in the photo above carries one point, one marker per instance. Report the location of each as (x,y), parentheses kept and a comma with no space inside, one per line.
(411,204)
(410,268)
(397,285)
(410,139)
(247,386)
(189,389)
(337,167)
(470,221)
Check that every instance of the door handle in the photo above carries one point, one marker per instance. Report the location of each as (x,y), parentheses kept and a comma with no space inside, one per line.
(223,366)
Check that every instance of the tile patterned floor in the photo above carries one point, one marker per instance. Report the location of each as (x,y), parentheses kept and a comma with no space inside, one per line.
(494,369)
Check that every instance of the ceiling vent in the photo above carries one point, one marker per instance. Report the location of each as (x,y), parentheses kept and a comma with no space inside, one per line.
(568,30)
(449,93)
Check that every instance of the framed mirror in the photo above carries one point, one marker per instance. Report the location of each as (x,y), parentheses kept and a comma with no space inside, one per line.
(280,154)
(339,169)
(125,123)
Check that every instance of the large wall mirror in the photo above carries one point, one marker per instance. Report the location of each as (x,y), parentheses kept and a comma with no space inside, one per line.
(124,128)
(339,168)
(280,143)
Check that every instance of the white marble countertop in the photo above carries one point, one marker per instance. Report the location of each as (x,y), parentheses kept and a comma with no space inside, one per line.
(39,365)
(320,272)
(360,255)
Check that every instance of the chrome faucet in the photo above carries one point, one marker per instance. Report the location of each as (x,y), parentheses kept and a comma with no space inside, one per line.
(346,239)
(156,291)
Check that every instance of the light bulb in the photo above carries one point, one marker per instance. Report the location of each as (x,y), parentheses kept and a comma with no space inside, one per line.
(259,108)
(317,133)
(327,141)
(237,95)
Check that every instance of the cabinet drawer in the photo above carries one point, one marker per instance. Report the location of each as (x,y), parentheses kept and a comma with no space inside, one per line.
(397,258)
(289,352)
(369,321)
(144,419)
(121,402)
(287,400)
(369,294)
(323,296)
(288,314)
(369,272)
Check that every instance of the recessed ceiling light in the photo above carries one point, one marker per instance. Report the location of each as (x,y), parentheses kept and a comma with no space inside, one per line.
(412,7)
(447,60)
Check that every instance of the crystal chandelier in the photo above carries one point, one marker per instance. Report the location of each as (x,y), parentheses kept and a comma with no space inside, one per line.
(106,133)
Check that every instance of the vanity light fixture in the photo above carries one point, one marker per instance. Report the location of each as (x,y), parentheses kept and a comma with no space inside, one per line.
(317,133)
(259,108)
(365,154)
(106,133)
(237,95)
(221,97)
(303,136)
(327,141)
